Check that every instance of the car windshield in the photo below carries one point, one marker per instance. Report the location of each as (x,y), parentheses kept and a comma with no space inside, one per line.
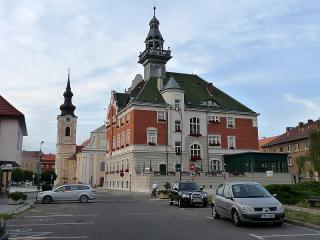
(249,191)
(188,186)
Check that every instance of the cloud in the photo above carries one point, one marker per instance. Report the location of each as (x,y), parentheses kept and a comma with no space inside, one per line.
(309,105)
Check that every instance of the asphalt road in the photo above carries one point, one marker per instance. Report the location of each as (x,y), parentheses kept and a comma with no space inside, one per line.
(125,216)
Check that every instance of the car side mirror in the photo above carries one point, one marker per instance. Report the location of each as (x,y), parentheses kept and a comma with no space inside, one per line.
(201,188)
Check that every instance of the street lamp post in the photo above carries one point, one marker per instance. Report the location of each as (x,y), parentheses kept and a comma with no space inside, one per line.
(38,169)
(181,129)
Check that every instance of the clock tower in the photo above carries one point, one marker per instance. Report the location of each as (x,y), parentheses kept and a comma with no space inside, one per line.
(66,137)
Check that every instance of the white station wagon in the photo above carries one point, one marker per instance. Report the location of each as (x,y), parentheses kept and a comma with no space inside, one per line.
(68,192)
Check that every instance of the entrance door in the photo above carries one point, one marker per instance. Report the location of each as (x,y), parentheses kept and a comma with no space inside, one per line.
(163,169)
(101,182)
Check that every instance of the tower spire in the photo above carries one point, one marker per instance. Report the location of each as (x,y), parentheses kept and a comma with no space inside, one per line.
(154,10)
(67,107)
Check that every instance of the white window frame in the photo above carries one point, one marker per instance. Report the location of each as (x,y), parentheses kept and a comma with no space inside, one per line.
(297,147)
(123,140)
(289,148)
(215,165)
(195,150)
(128,138)
(194,126)
(128,118)
(177,147)
(118,141)
(231,123)
(213,119)
(214,139)
(306,144)
(161,116)
(232,142)
(152,136)
(114,143)
(177,126)
(177,104)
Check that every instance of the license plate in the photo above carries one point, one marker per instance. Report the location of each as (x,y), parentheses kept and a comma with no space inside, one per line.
(196,199)
(268,215)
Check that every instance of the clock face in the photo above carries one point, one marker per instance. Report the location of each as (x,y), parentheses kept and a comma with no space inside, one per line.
(68,118)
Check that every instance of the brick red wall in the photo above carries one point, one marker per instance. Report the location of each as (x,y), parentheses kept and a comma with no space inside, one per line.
(246,135)
(144,119)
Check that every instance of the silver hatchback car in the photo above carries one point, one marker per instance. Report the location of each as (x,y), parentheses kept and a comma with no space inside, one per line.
(246,202)
(68,192)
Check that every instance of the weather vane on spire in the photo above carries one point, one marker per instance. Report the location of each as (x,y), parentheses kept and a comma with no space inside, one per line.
(154,8)
(69,72)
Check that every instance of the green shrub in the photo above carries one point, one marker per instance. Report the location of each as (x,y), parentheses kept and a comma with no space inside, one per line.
(295,193)
(16,196)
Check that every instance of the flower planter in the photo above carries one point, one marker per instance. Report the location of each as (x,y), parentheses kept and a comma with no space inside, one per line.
(14,202)
(164,195)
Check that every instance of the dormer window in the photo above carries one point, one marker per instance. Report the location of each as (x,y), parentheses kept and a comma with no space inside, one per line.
(209,103)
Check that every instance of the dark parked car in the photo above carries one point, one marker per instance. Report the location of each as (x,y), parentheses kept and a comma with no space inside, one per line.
(187,194)
(3,230)
(247,202)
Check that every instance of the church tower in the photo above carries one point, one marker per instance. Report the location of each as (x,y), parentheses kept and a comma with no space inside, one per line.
(66,136)
(154,57)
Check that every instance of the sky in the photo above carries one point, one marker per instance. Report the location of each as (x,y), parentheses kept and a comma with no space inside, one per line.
(264,53)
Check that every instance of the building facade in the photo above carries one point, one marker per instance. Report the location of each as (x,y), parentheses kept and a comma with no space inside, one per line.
(165,118)
(295,142)
(12,130)
(47,162)
(30,159)
(91,158)
(66,139)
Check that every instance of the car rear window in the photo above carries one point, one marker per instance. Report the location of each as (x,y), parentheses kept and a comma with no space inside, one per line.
(82,187)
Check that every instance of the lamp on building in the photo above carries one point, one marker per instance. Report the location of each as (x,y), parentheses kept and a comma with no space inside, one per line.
(181,134)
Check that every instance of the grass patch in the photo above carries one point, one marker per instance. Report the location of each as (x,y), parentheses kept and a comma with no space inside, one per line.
(312,218)
(295,193)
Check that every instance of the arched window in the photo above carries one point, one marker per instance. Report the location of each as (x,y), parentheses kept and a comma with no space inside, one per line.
(215,165)
(67,131)
(194,126)
(195,152)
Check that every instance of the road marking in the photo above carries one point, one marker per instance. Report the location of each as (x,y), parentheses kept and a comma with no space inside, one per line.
(210,218)
(255,236)
(63,215)
(40,238)
(285,235)
(48,224)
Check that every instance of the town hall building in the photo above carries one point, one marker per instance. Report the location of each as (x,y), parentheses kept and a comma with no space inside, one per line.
(167,122)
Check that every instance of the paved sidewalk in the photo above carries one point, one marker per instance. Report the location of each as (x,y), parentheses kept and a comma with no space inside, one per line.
(302,209)
(5,208)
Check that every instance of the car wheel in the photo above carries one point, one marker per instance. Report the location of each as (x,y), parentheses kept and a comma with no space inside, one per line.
(215,215)
(47,199)
(180,203)
(84,199)
(235,218)
(171,201)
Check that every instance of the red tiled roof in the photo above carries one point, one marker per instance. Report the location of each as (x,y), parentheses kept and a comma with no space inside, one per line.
(264,141)
(30,154)
(296,133)
(6,109)
(85,143)
(48,157)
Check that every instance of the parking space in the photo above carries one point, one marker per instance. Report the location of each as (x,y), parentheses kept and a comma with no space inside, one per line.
(135,216)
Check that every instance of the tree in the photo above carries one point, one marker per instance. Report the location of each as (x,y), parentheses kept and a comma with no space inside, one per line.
(27,175)
(314,148)
(48,176)
(301,161)
(17,175)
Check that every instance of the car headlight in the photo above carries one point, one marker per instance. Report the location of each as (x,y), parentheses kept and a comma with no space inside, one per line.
(247,208)
(185,195)
(280,207)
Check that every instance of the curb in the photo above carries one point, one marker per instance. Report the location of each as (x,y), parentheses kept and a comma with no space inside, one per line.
(302,224)
(20,209)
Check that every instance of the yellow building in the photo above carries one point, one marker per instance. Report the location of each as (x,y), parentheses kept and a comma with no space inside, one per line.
(295,142)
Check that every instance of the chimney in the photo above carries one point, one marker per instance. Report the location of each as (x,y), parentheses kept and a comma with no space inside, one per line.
(160,83)
(301,125)
(288,129)
(310,121)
